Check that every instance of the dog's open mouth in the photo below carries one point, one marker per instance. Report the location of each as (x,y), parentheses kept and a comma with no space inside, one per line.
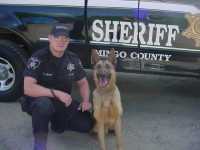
(103,79)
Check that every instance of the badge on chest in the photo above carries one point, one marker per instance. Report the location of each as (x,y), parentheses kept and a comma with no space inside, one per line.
(70,69)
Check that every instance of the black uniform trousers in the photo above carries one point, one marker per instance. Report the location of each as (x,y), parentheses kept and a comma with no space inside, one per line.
(44,110)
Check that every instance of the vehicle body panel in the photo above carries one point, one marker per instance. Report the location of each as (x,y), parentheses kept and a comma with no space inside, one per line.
(172,38)
(149,37)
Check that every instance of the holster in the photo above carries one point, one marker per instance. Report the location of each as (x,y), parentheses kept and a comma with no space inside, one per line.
(25,104)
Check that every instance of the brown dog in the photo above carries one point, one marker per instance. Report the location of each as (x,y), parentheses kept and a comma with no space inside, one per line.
(106,99)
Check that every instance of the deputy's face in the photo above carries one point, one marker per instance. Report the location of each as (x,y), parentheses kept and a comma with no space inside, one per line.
(59,43)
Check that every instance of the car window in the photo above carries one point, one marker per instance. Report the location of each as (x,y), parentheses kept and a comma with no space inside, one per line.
(188,2)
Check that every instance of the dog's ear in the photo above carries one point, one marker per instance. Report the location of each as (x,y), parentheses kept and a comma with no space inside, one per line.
(111,57)
(95,57)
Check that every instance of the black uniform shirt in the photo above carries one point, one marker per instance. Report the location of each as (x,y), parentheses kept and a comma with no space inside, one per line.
(53,72)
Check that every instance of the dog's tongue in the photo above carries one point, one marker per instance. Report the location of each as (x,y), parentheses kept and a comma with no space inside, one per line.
(103,82)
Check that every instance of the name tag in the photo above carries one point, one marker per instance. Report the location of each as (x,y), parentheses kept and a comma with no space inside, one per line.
(46,74)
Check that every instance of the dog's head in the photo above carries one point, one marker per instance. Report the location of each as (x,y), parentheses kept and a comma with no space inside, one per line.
(104,69)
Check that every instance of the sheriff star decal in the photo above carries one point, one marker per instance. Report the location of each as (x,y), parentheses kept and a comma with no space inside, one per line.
(193,31)
(33,63)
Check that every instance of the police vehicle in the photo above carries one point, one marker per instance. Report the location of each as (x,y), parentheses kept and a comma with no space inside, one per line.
(159,36)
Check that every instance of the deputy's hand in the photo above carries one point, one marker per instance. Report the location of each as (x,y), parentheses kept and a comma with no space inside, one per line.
(64,97)
(84,106)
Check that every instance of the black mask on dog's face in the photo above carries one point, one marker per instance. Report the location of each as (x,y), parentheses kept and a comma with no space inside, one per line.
(103,71)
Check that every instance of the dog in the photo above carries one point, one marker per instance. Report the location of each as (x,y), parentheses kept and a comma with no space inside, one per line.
(106,99)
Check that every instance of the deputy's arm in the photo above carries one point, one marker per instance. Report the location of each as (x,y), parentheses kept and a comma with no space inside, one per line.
(84,92)
(84,89)
(31,88)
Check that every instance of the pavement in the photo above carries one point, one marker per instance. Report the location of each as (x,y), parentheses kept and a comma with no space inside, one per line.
(160,113)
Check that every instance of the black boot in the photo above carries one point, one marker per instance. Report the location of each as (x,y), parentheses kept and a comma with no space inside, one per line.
(40,141)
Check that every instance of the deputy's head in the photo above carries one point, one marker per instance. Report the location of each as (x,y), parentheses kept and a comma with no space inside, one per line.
(60,30)
(59,38)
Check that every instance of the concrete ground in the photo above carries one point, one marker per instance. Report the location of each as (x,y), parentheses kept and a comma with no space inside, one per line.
(160,113)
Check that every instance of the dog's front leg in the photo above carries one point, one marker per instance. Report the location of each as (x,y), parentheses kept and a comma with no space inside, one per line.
(101,136)
(118,132)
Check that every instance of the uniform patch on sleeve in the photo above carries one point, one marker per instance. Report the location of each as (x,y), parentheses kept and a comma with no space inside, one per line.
(33,63)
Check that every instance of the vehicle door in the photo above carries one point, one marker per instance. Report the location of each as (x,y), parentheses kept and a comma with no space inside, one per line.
(170,35)
(37,18)
(113,24)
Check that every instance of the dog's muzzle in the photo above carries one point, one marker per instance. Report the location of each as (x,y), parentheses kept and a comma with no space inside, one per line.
(103,79)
